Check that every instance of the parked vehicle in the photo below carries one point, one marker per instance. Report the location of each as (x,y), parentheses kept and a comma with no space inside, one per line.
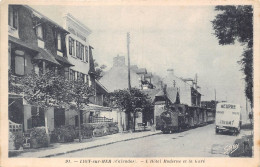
(228,117)
(179,117)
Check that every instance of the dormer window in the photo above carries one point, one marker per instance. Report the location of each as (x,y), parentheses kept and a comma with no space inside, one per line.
(39,32)
(13,17)
(58,41)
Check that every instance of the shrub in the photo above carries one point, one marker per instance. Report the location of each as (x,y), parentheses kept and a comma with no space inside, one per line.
(87,130)
(64,134)
(39,138)
(113,128)
(18,139)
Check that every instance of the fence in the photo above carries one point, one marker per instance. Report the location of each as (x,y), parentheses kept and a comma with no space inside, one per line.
(93,119)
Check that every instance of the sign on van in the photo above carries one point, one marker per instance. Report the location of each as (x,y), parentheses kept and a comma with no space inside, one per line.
(228,106)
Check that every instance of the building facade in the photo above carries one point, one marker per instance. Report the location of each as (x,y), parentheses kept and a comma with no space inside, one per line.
(35,44)
(80,55)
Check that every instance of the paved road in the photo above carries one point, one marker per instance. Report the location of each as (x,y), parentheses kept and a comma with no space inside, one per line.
(199,142)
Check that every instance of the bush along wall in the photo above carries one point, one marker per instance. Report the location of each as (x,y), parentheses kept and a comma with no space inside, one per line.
(64,134)
(103,129)
(39,137)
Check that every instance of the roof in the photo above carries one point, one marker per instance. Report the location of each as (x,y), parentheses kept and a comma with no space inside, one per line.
(41,16)
(151,93)
(45,55)
(21,43)
(148,75)
(97,107)
(160,93)
(103,89)
(141,71)
(171,93)
(79,23)
(63,60)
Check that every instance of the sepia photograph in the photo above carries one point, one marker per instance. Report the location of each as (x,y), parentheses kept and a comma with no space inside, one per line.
(130,81)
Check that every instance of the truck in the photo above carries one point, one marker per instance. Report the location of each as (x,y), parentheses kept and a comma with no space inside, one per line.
(228,117)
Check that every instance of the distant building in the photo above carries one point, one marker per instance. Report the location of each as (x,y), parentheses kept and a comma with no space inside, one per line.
(117,77)
(189,93)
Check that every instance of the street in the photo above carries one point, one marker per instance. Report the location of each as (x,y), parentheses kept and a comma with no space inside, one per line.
(199,142)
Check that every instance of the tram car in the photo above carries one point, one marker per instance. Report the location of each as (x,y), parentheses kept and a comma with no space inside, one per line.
(179,117)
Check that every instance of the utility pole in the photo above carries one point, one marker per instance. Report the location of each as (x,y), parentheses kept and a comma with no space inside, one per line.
(130,123)
(215,98)
(128,56)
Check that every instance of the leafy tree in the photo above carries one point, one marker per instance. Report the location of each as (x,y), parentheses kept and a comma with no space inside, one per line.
(46,90)
(77,95)
(236,23)
(99,69)
(130,102)
(52,90)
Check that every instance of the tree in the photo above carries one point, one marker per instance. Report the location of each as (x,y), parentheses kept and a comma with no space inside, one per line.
(77,95)
(46,90)
(99,69)
(130,102)
(236,23)
(52,90)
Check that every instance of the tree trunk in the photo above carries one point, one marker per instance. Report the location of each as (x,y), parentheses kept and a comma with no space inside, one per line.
(79,126)
(45,120)
(134,121)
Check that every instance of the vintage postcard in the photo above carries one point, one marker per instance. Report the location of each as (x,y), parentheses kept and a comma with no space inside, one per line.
(130,83)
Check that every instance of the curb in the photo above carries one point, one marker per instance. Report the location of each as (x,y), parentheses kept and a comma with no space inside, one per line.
(81,149)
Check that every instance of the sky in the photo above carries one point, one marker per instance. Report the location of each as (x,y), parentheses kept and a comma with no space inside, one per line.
(162,37)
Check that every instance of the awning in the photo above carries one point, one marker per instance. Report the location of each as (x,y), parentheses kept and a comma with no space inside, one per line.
(45,55)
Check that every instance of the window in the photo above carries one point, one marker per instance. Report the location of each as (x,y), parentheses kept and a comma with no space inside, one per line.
(78,76)
(86,54)
(59,41)
(39,32)
(70,45)
(19,65)
(77,49)
(82,52)
(75,75)
(9,56)
(82,77)
(12,17)
(86,79)
(72,75)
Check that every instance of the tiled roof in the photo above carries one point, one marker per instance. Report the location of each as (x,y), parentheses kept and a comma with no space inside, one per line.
(21,43)
(141,71)
(41,16)
(63,60)
(45,55)
(151,93)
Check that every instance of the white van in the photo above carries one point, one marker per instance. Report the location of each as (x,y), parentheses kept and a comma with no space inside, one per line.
(228,117)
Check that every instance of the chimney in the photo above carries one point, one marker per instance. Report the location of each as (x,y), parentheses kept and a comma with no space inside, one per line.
(119,61)
(170,72)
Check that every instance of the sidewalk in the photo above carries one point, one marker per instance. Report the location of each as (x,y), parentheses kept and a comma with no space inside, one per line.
(63,148)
